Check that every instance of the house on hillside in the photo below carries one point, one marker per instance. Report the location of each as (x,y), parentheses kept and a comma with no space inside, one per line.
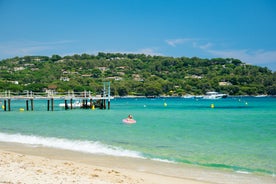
(18,68)
(65,79)
(225,83)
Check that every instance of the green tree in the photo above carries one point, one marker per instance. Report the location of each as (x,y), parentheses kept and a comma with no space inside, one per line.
(271,90)
(152,88)
(55,57)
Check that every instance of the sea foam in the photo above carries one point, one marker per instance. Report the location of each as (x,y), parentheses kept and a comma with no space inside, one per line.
(66,144)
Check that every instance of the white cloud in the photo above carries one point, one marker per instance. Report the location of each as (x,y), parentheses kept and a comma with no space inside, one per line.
(256,57)
(227,53)
(193,42)
(149,51)
(206,46)
(22,48)
(175,42)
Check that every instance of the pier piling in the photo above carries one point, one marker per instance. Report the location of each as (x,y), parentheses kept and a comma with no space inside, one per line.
(71,103)
(32,104)
(5,105)
(27,105)
(52,104)
(66,105)
(48,105)
(101,101)
(91,103)
(9,105)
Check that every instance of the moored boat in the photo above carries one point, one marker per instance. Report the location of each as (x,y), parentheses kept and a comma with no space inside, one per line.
(74,105)
(214,95)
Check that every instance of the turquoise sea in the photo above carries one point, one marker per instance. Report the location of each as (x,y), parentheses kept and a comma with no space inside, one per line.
(238,134)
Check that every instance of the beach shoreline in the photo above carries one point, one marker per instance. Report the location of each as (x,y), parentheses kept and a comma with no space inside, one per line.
(36,164)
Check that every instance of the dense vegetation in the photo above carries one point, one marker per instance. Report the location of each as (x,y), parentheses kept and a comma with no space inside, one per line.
(135,74)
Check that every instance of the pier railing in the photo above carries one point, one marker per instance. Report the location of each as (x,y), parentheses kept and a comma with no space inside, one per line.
(88,99)
(50,94)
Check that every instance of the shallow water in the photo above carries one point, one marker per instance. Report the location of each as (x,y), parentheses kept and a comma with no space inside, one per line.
(237,134)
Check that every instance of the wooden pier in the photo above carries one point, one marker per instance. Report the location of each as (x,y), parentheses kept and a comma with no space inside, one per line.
(72,100)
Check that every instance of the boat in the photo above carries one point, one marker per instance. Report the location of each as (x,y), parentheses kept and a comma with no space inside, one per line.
(198,97)
(214,95)
(74,105)
(188,96)
(260,96)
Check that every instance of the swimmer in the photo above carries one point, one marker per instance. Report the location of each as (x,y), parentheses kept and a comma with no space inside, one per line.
(130,117)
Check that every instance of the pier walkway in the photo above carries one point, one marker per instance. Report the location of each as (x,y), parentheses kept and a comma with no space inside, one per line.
(70,99)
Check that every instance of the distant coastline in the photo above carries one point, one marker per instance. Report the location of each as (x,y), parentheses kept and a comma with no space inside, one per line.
(135,75)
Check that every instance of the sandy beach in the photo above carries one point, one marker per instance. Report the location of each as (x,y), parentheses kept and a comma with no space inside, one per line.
(28,164)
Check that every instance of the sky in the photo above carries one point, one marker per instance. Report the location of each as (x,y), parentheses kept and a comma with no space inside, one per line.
(241,29)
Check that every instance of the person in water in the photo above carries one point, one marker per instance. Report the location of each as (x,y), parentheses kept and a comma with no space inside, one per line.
(130,117)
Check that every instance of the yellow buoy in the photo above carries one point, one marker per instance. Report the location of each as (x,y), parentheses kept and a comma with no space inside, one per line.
(3,107)
(93,107)
(165,104)
(21,109)
(212,106)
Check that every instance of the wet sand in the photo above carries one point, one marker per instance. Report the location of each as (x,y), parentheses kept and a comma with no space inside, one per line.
(34,164)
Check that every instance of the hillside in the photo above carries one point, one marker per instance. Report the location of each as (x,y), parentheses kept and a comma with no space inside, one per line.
(135,74)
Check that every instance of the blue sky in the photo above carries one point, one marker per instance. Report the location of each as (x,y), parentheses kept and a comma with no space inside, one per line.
(242,29)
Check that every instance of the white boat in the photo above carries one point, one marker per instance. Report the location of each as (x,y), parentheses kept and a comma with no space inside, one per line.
(74,105)
(188,96)
(214,95)
(198,97)
(261,96)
